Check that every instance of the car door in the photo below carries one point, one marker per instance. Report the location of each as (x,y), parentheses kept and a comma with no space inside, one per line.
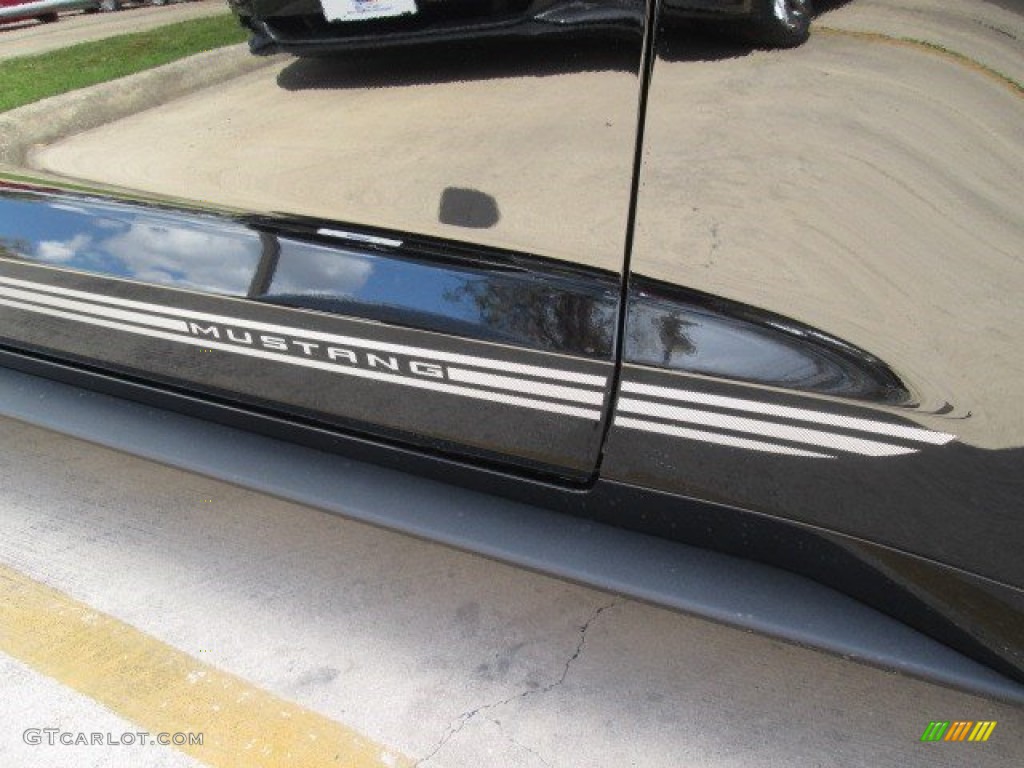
(431,252)
(824,318)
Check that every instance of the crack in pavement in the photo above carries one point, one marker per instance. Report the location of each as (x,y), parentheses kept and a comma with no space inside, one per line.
(462,720)
(519,744)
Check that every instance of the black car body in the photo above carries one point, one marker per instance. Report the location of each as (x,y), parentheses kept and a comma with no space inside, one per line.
(308,28)
(789,331)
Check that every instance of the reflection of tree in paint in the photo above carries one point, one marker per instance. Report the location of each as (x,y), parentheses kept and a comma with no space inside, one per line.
(13,248)
(671,329)
(554,319)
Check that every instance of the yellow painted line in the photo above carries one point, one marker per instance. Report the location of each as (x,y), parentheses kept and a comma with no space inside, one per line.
(164,690)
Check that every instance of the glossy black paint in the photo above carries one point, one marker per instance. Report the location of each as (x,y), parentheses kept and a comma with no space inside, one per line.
(299,26)
(823,323)
(411,282)
(686,9)
(979,618)
(914,496)
(835,315)
(247,267)
(719,587)
(672,328)
(259,318)
(434,285)
(800,189)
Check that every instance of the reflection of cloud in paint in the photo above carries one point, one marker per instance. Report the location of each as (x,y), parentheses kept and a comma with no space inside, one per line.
(199,255)
(62,251)
(306,269)
(70,207)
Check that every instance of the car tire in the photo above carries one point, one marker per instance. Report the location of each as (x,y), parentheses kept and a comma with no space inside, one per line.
(109,6)
(48,18)
(782,23)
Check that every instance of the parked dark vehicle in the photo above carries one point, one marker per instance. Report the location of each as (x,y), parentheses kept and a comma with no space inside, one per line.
(323,27)
(774,23)
(764,303)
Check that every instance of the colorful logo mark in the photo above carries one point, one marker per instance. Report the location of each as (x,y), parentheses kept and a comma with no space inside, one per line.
(958,730)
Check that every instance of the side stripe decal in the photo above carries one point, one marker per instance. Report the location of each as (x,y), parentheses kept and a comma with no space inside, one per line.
(169,324)
(98,300)
(713,437)
(787,430)
(683,413)
(788,412)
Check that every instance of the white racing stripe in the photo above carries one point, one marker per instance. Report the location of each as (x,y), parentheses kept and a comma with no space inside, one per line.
(526,386)
(714,437)
(496,397)
(80,306)
(522,386)
(587,379)
(769,429)
(786,412)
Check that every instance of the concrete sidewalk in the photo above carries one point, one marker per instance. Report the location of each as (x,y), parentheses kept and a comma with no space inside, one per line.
(53,119)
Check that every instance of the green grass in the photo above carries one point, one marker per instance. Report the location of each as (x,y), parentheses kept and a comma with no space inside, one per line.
(31,78)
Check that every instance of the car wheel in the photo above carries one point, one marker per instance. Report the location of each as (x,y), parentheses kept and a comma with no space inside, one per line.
(109,6)
(48,18)
(783,23)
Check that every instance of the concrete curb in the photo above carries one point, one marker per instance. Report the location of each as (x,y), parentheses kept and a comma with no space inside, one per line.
(47,121)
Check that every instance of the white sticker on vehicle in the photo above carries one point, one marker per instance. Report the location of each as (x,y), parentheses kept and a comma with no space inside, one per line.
(356,10)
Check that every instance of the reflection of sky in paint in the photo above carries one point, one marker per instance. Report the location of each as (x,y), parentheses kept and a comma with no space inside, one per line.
(198,253)
(218,256)
(310,270)
(205,253)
